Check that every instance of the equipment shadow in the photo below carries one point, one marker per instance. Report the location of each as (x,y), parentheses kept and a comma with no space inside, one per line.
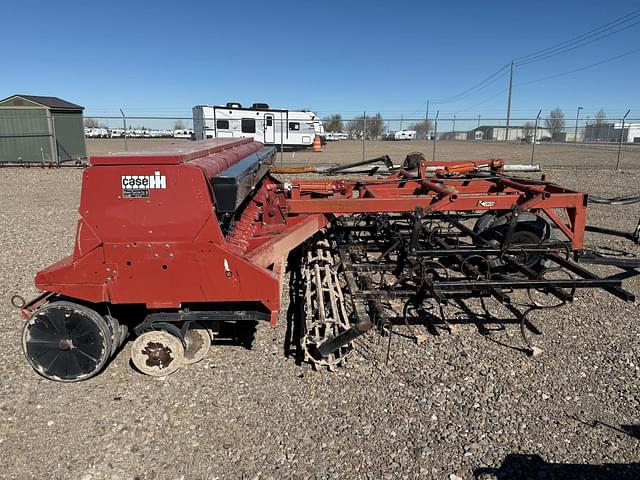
(517,466)
(240,333)
(294,315)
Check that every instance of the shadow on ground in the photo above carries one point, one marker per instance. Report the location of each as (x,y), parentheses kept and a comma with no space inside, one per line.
(533,467)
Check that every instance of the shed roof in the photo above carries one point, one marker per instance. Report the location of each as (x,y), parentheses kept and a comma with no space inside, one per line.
(54,103)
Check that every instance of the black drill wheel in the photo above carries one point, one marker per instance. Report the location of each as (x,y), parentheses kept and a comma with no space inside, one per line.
(66,342)
(532,232)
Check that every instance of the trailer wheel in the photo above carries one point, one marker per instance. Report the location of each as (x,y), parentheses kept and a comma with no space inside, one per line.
(67,342)
(157,353)
(198,342)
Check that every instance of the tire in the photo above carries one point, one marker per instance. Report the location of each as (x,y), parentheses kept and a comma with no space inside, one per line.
(67,342)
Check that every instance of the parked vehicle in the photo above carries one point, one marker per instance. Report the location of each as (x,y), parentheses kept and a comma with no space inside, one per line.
(401,135)
(96,132)
(183,133)
(335,136)
(292,129)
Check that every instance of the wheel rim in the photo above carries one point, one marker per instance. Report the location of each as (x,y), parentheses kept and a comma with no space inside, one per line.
(157,353)
(198,343)
(66,342)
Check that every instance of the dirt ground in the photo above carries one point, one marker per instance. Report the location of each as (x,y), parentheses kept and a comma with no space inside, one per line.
(457,406)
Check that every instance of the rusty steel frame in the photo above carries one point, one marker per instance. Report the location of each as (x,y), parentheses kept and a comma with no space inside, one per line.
(404,192)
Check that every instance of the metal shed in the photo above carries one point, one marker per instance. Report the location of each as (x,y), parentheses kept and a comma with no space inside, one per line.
(35,129)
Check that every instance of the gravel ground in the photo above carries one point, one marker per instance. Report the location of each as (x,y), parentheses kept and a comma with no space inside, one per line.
(446,409)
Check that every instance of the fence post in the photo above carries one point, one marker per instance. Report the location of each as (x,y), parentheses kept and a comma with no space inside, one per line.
(426,122)
(435,134)
(124,124)
(364,130)
(621,136)
(535,136)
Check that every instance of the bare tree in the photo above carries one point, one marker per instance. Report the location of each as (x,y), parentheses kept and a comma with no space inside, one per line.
(91,123)
(371,127)
(355,127)
(179,125)
(600,117)
(422,128)
(555,121)
(333,123)
(375,126)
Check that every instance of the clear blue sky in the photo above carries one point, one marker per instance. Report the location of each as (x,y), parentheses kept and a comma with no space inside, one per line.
(161,58)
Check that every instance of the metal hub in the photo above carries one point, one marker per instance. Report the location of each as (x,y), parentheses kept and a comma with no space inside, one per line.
(157,353)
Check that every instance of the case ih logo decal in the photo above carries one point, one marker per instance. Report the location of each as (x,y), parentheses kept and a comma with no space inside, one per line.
(138,186)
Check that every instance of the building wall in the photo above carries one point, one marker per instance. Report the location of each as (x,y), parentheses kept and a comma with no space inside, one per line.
(69,134)
(25,135)
(633,135)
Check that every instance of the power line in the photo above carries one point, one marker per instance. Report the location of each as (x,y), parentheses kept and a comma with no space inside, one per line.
(495,76)
(611,59)
(574,47)
(585,36)
(501,92)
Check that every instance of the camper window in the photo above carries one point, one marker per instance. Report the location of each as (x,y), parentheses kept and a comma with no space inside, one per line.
(222,124)
(269,121)
(248,125)
(294,126)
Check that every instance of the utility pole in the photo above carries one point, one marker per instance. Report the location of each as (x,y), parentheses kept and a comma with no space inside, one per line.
(506,136)
(401,117)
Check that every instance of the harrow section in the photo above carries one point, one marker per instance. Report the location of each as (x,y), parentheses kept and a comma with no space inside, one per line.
(404,268)
(325,306)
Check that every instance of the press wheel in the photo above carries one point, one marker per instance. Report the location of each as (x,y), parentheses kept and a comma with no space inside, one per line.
(198,342)
(66,341)
(157,353)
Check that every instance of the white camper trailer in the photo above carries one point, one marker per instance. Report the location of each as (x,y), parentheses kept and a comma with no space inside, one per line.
(183,133)
(401,135)
(292,129)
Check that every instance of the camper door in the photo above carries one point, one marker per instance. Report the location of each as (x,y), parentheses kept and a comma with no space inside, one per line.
(269,129)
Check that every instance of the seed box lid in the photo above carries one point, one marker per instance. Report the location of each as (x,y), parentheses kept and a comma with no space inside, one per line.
(170,154)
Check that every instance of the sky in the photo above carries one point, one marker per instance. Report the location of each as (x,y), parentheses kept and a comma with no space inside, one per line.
(161,58)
